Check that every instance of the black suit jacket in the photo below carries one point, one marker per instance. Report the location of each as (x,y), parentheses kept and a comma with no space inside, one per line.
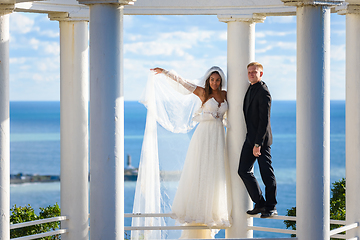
(257,114)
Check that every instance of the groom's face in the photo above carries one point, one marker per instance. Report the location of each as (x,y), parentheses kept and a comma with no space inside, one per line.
(254,74)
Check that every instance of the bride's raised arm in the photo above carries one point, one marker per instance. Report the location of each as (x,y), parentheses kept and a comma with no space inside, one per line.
(198,91)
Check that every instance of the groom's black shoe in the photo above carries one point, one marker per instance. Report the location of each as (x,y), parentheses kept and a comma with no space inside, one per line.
(256,210)
(269,213)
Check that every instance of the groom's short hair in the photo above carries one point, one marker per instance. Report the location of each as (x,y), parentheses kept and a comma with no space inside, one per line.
(259,65)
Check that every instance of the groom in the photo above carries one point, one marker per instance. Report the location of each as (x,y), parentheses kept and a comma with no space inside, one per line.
(257,104)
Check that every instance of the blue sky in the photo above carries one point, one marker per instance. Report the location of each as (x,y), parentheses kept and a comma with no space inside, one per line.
(187,44)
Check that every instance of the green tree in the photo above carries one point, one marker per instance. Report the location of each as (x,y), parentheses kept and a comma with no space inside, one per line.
(27,213)
(337,206)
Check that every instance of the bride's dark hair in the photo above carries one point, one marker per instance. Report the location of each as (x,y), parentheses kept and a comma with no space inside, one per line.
(208,90)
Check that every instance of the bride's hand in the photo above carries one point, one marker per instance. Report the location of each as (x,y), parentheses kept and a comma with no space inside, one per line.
(157,70)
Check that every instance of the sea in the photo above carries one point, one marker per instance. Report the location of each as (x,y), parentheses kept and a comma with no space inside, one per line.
(35,149)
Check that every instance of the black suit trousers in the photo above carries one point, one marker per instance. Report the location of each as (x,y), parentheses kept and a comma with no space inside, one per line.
(247,160)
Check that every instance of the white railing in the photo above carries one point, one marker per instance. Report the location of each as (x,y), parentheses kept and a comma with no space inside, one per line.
(36,222)
(275,230)
(333,233)
(132,215)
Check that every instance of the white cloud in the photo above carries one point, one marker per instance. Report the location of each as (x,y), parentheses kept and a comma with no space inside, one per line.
(264,34)
(29,80)
(287,45)
(44,77)
(338,20)
(340,33)
(337,80)
(34,43)
(30,90)
(161,18)
(280,75)
(280,45)
(338,52)
(172,43)
(18,60)
(49,33)
(45,32)
(194,35)
(261,41)
(52,48)
(264,49)
(34,68)
(134,37)
(12,39)
(129,21)
(282,19)
(49,64)
(37,45)
(223,36)
(20,23)
(37,77)
(157,48)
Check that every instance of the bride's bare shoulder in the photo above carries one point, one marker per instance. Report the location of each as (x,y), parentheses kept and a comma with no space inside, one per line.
(224,94)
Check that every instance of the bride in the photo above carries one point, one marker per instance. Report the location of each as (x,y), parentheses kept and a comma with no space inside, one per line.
(203,195)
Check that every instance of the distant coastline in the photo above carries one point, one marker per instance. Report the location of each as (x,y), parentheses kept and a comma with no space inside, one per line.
(32,178)
(36,178)
(129,175)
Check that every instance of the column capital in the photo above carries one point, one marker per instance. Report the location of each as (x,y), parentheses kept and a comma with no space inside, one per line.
(352,7)
(80,16)
(119,2)
(312,2)
(6,8)
(251,18)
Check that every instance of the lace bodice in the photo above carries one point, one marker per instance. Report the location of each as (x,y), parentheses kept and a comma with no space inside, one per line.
(211,110)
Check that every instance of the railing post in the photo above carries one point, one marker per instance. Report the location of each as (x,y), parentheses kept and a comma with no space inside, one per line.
(5,9)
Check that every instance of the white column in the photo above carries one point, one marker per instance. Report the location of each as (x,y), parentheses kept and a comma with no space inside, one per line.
(352,116)
(241,51)
(106,121)
(74,91)
(4,123)
(313,121)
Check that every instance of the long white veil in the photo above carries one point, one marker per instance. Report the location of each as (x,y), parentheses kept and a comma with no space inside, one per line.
(169,127)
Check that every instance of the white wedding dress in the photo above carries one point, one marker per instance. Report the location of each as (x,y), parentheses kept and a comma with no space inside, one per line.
(203,194)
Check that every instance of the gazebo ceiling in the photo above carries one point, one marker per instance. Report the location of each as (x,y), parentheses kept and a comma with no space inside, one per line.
(209,7)
(168,7)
